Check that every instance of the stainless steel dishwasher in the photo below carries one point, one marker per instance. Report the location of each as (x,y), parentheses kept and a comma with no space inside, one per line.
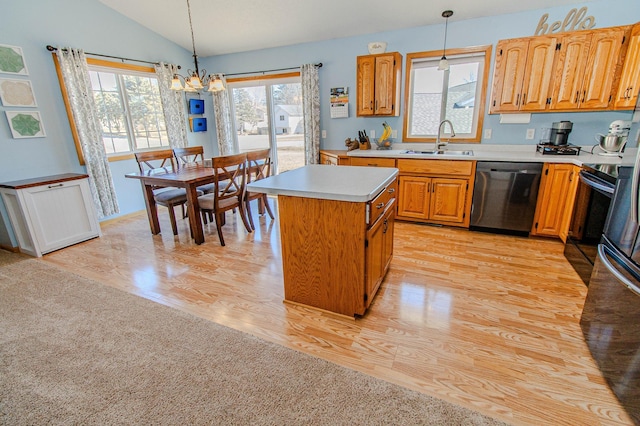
(504,197)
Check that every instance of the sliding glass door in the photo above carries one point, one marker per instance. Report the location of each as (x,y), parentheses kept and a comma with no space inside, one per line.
(268,114)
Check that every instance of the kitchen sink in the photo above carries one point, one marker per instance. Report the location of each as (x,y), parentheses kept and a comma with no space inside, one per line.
(438,152)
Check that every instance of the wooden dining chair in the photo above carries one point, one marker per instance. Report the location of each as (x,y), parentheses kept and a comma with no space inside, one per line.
(163,161)
(230,179)
(189,155)
(258,167)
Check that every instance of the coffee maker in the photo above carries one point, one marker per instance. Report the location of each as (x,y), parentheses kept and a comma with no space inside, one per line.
(560,132)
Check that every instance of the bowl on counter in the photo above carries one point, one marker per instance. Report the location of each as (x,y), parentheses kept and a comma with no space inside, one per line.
(386,144)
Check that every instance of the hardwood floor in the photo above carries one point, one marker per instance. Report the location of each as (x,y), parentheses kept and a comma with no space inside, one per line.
(485,321)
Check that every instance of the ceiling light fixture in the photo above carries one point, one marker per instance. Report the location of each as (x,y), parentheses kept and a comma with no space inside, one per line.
(196,81)
(444,64)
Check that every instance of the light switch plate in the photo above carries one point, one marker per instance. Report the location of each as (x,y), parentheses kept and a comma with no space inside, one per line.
(394,134)
(372,134)
(324,134)
(531,133)
(487,133)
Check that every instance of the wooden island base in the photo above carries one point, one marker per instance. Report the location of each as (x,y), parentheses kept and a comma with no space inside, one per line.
(336,233)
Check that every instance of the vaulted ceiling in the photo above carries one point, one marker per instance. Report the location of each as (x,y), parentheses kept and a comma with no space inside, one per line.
(222,27)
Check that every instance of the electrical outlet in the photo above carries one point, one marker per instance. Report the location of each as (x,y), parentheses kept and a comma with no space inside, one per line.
(324,134)
(487,133)
(531,133)
(372,134)
(394,134)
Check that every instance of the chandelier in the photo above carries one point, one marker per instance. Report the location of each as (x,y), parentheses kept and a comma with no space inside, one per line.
(196,80)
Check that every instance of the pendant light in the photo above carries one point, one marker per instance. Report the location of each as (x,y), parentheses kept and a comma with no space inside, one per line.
(196,81)
(444,64)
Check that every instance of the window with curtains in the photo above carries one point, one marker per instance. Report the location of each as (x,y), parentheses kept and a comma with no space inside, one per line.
(457,94)
(129,108)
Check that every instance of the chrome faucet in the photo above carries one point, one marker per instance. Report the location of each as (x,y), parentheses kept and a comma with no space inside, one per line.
(440,144)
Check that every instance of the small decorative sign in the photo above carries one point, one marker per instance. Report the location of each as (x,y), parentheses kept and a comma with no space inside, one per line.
(575,20)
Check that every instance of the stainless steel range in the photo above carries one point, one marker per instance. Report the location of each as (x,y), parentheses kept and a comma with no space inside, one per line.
(593,199)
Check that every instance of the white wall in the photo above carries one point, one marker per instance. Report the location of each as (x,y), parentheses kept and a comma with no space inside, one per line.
(339,67)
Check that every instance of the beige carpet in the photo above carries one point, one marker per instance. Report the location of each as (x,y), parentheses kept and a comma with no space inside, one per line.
(73,351)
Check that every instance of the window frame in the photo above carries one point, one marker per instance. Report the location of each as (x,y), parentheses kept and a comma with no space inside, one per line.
(267,80)
(451,54)
(74,131)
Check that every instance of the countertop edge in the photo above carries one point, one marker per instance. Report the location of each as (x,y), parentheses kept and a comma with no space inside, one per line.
(323,194)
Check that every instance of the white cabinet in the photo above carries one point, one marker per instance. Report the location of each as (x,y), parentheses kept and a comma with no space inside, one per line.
(50,213)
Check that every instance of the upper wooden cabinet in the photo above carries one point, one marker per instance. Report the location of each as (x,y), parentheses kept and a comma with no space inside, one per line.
(523,72)
(378,84)
(586,66)
(571,71)
(629,84)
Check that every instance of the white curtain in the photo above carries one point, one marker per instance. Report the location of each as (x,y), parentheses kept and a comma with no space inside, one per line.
(311,112)
(172,105)
(222,111)
(75,73)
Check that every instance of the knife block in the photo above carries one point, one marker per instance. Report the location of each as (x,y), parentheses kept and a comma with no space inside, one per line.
(366,144)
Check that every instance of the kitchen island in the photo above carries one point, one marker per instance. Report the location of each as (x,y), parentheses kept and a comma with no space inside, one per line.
(336,232)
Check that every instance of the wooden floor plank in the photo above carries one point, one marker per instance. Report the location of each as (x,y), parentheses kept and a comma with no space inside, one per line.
(490,322)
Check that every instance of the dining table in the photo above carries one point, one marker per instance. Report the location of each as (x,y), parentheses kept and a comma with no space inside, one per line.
(189,177)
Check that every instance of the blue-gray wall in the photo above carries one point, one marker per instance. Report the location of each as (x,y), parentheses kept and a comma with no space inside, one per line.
(90,25)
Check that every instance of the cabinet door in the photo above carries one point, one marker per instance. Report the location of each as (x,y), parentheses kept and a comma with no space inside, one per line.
(61,214)
(604,54)
(555,200)
(365,93)
(627,93)
(413,197)
(572,60)
(385,82)
(511,58)
(448,198)
(328,159)
(379,252)
(538,72)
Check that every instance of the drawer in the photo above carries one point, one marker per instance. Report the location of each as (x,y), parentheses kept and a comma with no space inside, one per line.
(436,167)
(373,162)
(377,206)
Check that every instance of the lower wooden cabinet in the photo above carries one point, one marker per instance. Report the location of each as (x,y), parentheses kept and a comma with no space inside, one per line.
(334,157)
(435,191)
(556,199)
(379,251)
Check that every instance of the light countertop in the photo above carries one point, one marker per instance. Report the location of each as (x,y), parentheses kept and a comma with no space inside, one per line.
(487,152)
(343,183)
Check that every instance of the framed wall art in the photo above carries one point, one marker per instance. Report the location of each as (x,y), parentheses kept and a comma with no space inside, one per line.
(25,124)
(196,106)
(12,60)
(17,93)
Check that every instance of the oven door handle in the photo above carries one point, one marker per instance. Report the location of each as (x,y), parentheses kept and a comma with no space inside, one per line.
(590,181)
(602,254)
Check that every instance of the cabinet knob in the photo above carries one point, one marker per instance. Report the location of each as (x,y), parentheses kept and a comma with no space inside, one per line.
(379,205)
(392,190)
